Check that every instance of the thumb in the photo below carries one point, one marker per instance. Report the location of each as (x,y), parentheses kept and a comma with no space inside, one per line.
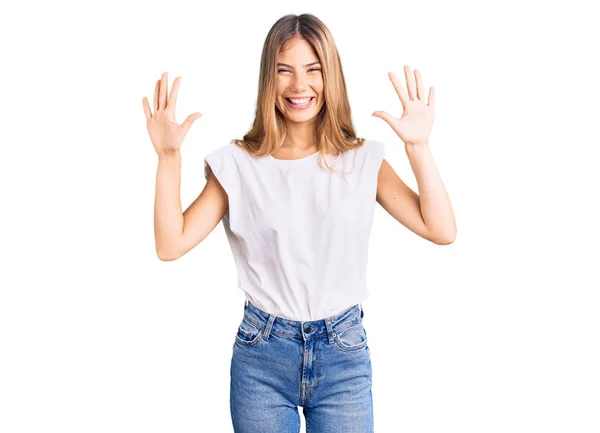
(383,115)
(187,124)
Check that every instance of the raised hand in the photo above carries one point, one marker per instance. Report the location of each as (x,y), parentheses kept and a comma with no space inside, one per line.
(414,126)
(165,133)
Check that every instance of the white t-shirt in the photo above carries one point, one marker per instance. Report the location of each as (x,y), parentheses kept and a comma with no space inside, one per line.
(299,233)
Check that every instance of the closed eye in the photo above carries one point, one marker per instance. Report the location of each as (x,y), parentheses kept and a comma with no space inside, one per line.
(287,70)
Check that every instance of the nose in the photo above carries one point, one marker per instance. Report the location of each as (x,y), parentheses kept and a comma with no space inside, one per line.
(298,84)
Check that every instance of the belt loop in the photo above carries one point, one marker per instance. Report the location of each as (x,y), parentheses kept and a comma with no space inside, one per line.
(329,330)
(268,326)
(362,311)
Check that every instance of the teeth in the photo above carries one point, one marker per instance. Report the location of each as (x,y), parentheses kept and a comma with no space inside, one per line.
(300,101)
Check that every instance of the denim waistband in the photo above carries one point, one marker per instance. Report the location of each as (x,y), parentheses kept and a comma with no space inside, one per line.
(300,329)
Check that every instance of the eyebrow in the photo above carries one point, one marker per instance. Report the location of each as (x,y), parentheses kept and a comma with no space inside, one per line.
(306,66)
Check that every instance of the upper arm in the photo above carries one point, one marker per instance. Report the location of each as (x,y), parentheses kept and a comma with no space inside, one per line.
(203,215)
(401,202)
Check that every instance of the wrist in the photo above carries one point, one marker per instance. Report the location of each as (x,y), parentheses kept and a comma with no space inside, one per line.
(416,147)
(168,156)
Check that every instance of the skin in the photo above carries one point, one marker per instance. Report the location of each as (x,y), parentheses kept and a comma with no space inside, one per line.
(296,79)
(428,214)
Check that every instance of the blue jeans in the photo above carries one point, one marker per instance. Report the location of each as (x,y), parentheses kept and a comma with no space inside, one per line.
(322,365)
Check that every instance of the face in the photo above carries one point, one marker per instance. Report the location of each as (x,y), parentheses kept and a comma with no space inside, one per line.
(299,78)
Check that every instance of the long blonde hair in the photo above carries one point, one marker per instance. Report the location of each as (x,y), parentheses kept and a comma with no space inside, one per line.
(334,132)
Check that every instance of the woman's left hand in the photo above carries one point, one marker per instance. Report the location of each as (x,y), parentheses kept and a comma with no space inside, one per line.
(416,122)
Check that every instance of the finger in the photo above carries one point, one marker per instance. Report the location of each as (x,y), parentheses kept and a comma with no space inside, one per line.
(162,98)
(147,109)
(410,85)
(385,116)
(156,89)
(187,124)
(399,90)
(173,96)
(420,90)
(431,101)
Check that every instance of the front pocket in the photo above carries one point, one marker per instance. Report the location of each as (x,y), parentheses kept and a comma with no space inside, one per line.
(352,338)
(248,334)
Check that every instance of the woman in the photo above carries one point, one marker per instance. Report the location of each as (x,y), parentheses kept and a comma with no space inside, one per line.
(296,196)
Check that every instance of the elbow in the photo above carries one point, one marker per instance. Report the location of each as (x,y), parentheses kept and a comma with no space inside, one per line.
(165,256)
(445,240)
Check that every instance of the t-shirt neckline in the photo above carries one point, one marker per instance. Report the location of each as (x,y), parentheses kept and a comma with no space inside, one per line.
(292,161)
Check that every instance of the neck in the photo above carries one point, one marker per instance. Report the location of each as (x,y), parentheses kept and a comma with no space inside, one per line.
(300,136)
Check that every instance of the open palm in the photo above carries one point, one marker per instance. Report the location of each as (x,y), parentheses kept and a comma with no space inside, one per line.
(414,126)
(165,133)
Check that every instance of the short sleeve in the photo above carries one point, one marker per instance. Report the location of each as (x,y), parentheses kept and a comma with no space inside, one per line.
(380,152)
(376,154)
(220,163)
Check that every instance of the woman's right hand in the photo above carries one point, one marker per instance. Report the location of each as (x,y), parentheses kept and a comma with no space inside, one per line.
(165,133)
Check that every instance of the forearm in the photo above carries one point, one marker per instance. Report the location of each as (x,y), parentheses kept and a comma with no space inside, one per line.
(168,215)
(436,208)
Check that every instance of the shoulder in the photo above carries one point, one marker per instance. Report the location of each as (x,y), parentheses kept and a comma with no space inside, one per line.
(374,147)
(226,149)
(218,160)
(226,162)
(372,150)
(230,152)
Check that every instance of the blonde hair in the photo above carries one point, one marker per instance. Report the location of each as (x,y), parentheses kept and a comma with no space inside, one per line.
(334,132)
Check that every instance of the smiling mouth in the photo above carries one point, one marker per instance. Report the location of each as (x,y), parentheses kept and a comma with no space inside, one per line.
(304,104)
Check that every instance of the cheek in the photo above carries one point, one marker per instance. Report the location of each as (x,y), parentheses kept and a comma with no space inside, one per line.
(318,86)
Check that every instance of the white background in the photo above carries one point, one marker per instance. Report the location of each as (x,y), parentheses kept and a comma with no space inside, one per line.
(497,332)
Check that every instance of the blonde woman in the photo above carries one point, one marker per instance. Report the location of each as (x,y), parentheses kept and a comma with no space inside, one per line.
(296,197)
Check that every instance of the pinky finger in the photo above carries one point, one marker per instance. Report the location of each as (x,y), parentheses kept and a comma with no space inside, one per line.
(431,99)
(147,109)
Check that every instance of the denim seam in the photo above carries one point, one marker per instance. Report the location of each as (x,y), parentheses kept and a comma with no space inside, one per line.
(342,346)
(263,326)
(249,342)
(350,348)
(346,327)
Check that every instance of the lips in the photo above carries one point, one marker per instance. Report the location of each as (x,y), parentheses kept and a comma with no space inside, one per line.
(300,107)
